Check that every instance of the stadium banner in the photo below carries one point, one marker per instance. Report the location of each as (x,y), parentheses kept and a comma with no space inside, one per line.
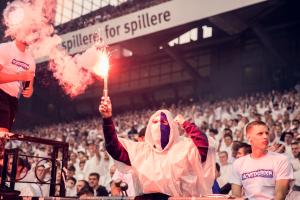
(153,19)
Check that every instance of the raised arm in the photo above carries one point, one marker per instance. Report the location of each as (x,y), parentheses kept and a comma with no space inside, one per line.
(22,76)
(199,138)
(112,144)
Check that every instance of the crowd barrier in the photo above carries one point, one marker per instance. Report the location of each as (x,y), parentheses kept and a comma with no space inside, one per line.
(131,198)
(55,162)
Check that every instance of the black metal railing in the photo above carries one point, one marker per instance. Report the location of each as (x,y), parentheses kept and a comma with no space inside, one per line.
(56,161)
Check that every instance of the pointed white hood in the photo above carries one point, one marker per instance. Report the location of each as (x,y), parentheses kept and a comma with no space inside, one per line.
(175,169)
(161,129)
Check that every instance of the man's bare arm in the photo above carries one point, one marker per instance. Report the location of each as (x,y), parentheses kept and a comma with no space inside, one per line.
(22,76)
(281,189)
(236,190)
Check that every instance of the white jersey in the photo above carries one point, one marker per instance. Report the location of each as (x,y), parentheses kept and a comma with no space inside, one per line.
(258,176)
(14,61)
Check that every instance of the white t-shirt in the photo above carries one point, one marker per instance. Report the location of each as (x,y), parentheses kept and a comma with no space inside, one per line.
(258,176)
(95,165)
(226,171)
(25,188)
(14,61)
(228,149)
(295,164)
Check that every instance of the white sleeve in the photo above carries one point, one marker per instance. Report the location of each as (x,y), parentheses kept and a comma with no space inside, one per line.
(234,176)
(3,54)
(284,170)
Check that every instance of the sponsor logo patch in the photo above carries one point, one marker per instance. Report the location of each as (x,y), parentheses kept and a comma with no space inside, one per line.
(264,173)
(21,64)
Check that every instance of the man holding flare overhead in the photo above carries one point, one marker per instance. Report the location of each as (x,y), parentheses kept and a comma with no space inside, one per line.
(166,164)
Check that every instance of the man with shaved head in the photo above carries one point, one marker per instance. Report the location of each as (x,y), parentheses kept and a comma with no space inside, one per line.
(262,174)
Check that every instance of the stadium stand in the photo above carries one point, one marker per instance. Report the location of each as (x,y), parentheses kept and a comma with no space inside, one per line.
(247,70)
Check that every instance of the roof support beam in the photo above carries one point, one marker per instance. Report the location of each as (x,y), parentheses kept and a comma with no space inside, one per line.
(182,62)
(229,23)
(266,41)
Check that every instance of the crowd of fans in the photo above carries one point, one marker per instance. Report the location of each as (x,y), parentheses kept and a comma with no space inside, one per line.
(92,172)
(106,13)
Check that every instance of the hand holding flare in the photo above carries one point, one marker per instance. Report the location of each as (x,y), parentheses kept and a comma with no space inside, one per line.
(102,70)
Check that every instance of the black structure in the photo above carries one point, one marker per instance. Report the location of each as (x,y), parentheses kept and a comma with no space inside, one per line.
(8,192)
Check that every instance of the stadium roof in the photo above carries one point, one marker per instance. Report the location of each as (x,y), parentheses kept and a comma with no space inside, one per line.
(67,10)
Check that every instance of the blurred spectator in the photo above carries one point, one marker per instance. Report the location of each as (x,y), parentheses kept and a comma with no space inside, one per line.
(22,169)
(227,142)
(93,164)
(287,138)
(71,187)
(235,147)
(296,160)
(85,192)
(41,189)
(71,171)
(80,173)
(81,184)
(99,190)
(244,149)
(225,169)
(218,119)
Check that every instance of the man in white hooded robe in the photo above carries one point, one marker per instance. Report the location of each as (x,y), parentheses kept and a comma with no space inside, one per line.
(166,164)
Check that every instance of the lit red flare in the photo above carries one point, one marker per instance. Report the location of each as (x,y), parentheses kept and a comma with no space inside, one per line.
(101,69)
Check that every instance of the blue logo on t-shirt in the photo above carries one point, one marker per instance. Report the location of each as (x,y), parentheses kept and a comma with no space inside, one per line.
(21,64)
(264,173)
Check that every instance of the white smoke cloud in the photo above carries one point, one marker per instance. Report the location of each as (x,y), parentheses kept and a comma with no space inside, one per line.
(74,73)
(29,21)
